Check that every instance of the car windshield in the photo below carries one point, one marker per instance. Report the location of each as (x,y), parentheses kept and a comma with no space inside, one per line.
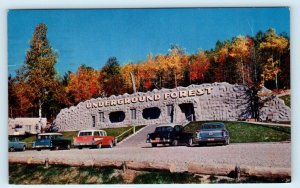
(87,133)
(12,139)
(49,136)
(211,126)
(164,129)
(44,137)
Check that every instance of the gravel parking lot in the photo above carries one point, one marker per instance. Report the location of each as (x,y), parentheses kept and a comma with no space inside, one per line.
(134,148)
(255,154)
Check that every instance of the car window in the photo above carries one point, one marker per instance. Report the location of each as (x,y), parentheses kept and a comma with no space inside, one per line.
(13,139)
(212,126)
(164,129)
(88,133)
(58,136)
(96,133)
(177,128)
(43,137)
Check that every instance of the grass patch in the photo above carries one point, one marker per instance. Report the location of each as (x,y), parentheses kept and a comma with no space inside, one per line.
(38,174)
(242,132)
(165,178)
(287,100)
(70,134)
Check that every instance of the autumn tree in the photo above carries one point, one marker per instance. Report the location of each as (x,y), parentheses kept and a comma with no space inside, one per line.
(241,52)
(39,76)
(199,64)
(110,78)
(18,98)
(174,64)
(126,71)
(83,84)
(222,67)
(272,47)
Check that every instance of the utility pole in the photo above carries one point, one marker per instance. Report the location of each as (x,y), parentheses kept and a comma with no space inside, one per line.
(133,82)
(134,91)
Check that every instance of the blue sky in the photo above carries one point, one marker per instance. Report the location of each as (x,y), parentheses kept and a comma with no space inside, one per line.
(92,36)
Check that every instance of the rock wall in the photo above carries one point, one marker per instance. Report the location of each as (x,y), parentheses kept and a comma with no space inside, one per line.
(217,101)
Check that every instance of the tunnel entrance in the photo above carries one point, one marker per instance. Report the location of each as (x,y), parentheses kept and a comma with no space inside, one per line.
(188,110)
(116,117)
(151,113)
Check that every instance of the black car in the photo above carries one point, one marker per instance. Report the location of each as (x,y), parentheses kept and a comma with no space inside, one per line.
(169,134)
(212,132)
(52,141)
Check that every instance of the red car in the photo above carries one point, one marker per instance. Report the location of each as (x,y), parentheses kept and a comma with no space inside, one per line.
(93,139)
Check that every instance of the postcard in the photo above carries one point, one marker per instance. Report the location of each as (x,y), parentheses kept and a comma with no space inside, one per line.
(149,96)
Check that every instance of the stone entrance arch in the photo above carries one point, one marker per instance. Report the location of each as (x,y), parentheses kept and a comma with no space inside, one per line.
(188,110)
(117,116)
(151,113)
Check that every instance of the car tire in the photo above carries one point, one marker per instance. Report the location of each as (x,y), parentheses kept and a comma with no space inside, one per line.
(38,149)
(115,142)
(110,144)
(11,149)
(79,147)
(24,148)
(190,142)
(227,141)
(175,143)
(99,146)
(56,148)
(154,145)
(68,147)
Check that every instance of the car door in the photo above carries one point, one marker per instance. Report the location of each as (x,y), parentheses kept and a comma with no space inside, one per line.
(97,137)
(105,140)
(179,133)
(18,144)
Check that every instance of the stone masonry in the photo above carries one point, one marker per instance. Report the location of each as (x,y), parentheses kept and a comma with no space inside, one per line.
(216,101)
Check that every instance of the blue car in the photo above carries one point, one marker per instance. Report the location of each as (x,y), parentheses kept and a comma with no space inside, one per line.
(212,132)
(53,141)
(15,145)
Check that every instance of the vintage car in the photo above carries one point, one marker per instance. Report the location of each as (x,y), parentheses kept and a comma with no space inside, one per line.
(14,144)
(94,139)
(170,134)
(53,141)
(212,132)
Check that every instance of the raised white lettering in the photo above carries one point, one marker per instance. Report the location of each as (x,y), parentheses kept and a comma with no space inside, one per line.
(100,104)
(166,95)
(107,103)
(134,99)
(209,89)
(191,93)
(149,98)
(126,101)
(156,97)
(142,98)
(120,101)
(199,92)
(174,95)
(182,94)
(113,102)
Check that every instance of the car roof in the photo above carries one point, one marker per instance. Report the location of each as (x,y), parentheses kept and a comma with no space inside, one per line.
(167,125)
(213,123)
(48,134)
(90,130)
